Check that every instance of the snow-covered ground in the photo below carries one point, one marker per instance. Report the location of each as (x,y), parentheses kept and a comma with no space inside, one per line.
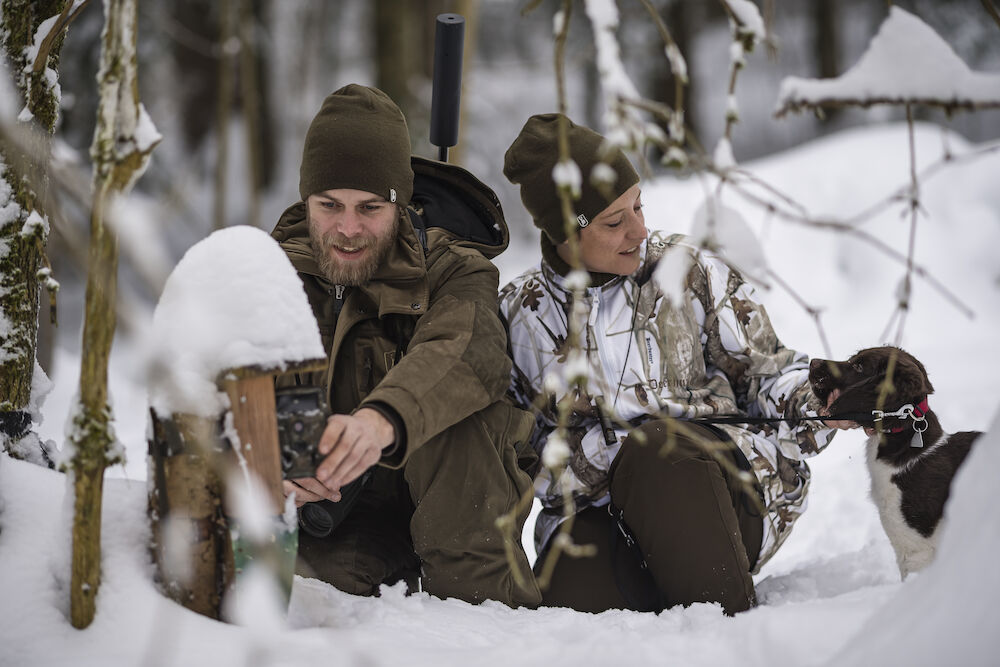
(832,594)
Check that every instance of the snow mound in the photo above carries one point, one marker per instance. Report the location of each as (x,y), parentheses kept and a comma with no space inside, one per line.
(913,625)
(233,300)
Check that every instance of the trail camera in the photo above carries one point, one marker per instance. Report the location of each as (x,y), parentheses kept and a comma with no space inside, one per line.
(301,413)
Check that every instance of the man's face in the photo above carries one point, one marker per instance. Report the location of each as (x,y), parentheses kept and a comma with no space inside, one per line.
(351,232)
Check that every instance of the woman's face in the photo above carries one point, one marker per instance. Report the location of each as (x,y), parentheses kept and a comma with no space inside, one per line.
(610,243)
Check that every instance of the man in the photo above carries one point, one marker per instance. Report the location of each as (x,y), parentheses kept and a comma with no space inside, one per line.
(417,365)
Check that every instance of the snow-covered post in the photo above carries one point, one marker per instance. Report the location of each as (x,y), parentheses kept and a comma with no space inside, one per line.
(233,317)
(31,35)
(123,140)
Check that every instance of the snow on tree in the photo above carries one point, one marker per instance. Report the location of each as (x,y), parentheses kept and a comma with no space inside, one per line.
(906,63)
(31,34)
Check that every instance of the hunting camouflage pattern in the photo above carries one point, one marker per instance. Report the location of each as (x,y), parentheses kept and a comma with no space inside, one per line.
(713,353)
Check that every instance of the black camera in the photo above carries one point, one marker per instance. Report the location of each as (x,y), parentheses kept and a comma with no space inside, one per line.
(302,413)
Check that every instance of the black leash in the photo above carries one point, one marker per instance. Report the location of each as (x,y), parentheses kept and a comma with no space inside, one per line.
(742,419)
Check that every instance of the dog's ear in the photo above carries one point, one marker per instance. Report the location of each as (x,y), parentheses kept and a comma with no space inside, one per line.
(910,378)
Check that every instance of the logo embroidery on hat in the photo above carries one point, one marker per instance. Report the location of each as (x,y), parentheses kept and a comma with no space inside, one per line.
(392,195)
(582,220)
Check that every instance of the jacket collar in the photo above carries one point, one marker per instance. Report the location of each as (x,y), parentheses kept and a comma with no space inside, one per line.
(561,268)
(400,282)
(555,269)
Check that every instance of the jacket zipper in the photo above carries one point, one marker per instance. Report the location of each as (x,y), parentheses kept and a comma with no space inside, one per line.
(338,298)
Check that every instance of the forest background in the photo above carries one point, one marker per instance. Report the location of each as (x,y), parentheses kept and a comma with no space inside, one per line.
(233,84)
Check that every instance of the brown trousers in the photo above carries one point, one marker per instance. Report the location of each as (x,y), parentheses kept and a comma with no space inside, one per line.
(694,525)
(433,519)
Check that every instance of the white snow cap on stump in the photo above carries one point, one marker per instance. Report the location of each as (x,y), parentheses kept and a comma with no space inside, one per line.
(233,300)
(906,63)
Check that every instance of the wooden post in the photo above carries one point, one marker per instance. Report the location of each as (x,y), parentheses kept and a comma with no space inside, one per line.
(187,488)
(252,408)
(251,401)
(192,464)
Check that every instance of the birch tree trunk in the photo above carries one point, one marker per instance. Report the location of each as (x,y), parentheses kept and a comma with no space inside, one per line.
(26,29)
(123,139)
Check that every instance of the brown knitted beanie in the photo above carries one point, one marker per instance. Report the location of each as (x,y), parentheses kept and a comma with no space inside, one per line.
(358,141)
(531,158)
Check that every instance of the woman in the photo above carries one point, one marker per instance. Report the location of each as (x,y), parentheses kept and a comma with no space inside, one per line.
(673,489)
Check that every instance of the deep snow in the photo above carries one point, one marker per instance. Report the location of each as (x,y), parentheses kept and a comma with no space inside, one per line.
(830,596)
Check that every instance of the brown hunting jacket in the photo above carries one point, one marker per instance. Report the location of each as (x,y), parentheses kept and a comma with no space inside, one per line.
(422,341)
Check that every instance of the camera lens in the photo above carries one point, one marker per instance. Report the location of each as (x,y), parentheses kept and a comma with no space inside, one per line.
(315,519)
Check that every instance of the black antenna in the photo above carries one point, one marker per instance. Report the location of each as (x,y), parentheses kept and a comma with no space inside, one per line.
(446,98)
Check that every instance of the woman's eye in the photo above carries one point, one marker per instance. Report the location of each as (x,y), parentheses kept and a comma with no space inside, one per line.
(616,223)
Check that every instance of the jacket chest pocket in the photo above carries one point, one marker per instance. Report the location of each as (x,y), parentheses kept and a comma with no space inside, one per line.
(374,357)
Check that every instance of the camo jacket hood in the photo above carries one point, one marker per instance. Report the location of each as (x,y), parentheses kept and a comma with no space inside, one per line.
(708,350)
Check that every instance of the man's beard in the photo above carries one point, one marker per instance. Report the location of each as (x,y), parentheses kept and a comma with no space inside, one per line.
(357,272)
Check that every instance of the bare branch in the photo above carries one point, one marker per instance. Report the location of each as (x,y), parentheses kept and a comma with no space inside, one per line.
(851,230)
(991,10)
(812,311)
(679,70)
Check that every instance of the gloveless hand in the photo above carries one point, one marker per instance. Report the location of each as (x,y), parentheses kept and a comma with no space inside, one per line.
(351,444)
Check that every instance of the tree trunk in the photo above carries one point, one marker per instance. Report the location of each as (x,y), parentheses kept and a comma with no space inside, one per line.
(120,152)
(23,237)
(395,59)
(470,10)
(677,16)
(250,97)
(827,53)
(91,435)
(223,109)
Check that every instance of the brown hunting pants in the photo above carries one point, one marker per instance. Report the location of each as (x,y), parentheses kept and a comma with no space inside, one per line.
(434,519)
(697,532)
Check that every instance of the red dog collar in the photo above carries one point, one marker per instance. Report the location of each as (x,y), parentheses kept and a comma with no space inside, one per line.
(919,410)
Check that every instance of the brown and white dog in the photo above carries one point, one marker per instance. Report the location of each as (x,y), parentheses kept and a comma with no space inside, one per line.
(911,460)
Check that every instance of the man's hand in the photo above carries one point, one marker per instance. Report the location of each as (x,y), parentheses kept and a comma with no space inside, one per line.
(351,445)
(842,424)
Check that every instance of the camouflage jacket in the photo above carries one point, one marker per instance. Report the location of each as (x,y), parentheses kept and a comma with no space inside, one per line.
(713,353)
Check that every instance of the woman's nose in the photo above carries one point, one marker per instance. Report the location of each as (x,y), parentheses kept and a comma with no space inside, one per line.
(637,230)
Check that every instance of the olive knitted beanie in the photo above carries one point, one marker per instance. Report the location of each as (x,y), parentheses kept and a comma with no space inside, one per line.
(530,160)
(358,141)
